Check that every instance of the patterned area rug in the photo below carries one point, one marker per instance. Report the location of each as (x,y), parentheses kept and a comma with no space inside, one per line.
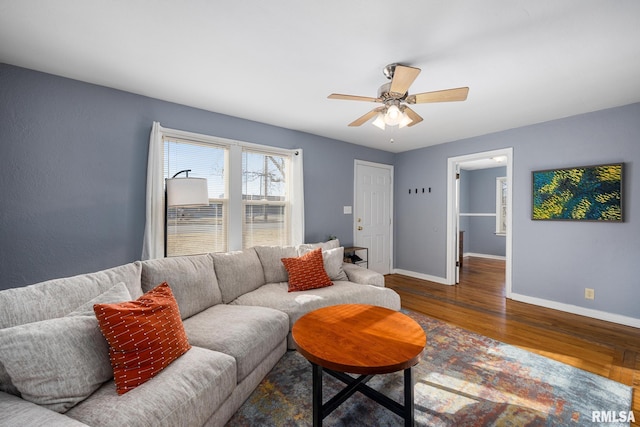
(464,379)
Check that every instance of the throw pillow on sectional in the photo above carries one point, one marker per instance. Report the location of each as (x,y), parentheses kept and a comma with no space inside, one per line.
(307,271)
(144,336)
(333,260)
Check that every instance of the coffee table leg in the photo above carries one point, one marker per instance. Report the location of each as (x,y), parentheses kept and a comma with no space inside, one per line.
(408,398)
(317,395)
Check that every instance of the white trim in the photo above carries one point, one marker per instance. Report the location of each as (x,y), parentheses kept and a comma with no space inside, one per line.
(478,214)
(499,180)
(452,217)
(234,222)
(487,256)
(209,139)
(436,279)
(582,311)
(390,168)
(296,188)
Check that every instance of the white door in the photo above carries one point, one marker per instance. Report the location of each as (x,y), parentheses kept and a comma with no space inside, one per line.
(373,210)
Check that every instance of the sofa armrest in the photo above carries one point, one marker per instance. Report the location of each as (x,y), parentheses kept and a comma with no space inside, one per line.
(363,276)
(17,412)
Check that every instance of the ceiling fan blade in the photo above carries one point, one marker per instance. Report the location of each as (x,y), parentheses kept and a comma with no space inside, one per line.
(353,97)
(362,120)
(403,76)
(447,95)
(415,118)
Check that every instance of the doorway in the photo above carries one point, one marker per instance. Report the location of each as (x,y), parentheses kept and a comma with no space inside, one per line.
(454,165)
(373,215)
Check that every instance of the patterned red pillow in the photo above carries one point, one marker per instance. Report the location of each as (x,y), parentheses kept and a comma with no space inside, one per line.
(144,336)
(307,271)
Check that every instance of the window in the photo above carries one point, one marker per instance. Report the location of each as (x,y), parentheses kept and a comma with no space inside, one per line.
(255,195)
(501,205)
(201,229)
(265,199)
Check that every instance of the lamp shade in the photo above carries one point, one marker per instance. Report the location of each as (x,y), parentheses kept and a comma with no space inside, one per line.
(187,192)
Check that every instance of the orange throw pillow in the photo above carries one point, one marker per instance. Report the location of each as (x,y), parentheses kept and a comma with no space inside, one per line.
(307,271)
(144,336)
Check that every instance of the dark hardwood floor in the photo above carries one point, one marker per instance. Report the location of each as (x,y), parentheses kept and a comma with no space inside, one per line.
(478,304)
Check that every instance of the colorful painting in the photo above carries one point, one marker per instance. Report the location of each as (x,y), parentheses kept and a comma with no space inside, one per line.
(589,193)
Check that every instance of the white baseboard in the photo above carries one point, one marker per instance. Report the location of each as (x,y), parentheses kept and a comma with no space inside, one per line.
(583,311)
(422,276)
(569,308)
(473,254)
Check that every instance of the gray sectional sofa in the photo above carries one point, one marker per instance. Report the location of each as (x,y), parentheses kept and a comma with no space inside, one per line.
(237,313)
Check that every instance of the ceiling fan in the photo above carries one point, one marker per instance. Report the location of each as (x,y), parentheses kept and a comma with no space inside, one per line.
(394,96)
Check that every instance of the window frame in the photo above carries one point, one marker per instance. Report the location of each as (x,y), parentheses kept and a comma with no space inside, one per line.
(501,205)
(234,192)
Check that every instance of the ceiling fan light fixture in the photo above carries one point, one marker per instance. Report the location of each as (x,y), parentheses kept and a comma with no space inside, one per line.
(394,97)
(379,121)
(393,116)
(405,120)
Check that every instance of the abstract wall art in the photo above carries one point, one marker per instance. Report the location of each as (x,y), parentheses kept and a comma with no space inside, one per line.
(586,193)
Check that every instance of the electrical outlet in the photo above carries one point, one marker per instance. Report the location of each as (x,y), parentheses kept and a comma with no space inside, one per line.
(589,293)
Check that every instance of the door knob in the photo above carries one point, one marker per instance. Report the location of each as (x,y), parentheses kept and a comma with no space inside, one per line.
(359,227)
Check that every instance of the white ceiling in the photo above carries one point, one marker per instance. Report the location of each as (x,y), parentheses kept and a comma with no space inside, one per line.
(275,62)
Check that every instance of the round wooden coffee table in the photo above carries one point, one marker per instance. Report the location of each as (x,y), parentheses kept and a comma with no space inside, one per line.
(359,339)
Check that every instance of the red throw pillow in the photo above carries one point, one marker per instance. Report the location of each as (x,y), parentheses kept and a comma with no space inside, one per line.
(144,336)
(307,271)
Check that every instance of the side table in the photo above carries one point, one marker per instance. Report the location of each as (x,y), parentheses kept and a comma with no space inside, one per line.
(351,250)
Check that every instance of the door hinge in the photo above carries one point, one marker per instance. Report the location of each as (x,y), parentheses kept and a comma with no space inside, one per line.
(457,176)
(457,263)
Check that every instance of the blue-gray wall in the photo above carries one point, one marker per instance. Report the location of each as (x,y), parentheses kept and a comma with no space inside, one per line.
(551,260)
(73,169)
(478,196)
(73,160)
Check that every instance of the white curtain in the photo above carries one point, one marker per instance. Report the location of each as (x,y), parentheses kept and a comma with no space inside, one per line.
(153,244)
(297,204)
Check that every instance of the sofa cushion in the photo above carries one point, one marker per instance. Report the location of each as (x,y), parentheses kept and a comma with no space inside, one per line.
(57,363)
(270,258)
(249,334)
(192,280)
(117,293)
(56,298)
(144,336)
(185,393)
(358,274)
(325,246)
(238,272)
(16,412)
(307,271)
(296,304)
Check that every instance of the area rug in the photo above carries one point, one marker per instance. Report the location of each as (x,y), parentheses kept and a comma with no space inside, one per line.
(463,379)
